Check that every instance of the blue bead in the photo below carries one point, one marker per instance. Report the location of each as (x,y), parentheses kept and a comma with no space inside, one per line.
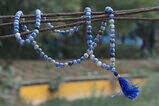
(111,16)
(88,17)
(16,27)
(38,20)
(45,56)
(16,18)
(16,24)
(36,31)
(112,35)
(34,43)
(37,24)
(94,44)
(16,30)
(27,30)
(89,31)
(112,30)
(107,67)
(89,41)
(102,28)
(95,60)
(89,27)
(34,34)
(88,13)
(25,27)
(104,23)
(112,44)
(31,38)
(74,61)
(61,65)
(22,42)
(27,41)
(57,64)
(78,61)
(62,32)
(19,39)
(70,63)
(112,40)
(42,54)
(83,58)
(37,12)
(49,58)
(96,40)
(115,73)
(103,65)
(36,46)
(112,50)
(71,30)
(90,36)
(67,31)
(39,49)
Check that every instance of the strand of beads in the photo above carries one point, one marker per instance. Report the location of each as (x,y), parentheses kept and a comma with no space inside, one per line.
(93,44)
(112,37)
(37,48)
(16,30)
(68,31)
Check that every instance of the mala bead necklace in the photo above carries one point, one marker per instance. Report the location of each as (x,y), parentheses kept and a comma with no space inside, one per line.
(36,46)
(130,90)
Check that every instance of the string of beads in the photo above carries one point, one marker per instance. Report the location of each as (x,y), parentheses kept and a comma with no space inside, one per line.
(129,90)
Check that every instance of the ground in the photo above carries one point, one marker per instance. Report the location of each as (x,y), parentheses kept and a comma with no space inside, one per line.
(22,71)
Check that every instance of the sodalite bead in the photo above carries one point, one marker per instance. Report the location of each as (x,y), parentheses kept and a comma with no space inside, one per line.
(16,30)
(86,55)
(113,69)
(45,56)
(112,35)
(27,41)
(111,16)
(57,64)
(78,60)
(36,46)
(102,28)
(112,40)
(49,59)
(89,41)
(103,65)
(112,59)
(96,40)
(112,30)
(90,37)
(99,63)
(109,9)
(104,23)
(39,49)
(112,50)
(22,42)
(70,63)
(95,60)
(83,58)
(112,64)
(17,35)
(111,21)
(74,61)
(34,42)
(92,56)
(112,45)
(31,38)
(36,31)
(112,26)
(34,34)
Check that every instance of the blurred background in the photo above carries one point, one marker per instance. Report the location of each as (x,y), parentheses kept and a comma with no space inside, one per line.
(137,55)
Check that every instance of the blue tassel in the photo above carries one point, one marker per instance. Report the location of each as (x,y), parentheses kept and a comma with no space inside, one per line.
(130,90)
